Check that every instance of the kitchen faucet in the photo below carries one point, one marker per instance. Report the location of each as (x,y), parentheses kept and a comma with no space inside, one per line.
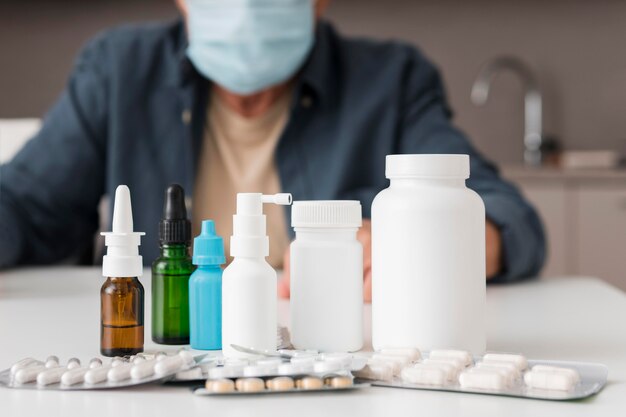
(532,101)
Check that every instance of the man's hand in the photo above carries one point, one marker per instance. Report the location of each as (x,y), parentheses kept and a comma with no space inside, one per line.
(493,240)
(364,235)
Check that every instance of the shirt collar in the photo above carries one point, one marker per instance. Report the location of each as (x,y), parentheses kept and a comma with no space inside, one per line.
(318,74)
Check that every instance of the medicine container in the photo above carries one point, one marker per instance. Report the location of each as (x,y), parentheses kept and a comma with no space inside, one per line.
(326,268)
(428,256)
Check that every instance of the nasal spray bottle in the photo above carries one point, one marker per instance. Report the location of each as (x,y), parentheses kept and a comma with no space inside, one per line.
(249,282)
(122,295)
(171,271)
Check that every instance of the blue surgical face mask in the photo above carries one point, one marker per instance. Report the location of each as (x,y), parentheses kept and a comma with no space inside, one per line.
(247,46)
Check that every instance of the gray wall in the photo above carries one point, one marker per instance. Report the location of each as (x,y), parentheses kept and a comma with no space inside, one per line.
(576,48)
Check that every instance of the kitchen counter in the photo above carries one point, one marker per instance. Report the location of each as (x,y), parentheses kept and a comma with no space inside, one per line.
(520,172)
(47,311)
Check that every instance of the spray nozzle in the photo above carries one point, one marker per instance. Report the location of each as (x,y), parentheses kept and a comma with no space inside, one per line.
(282,199)
(122,258)
(249,226)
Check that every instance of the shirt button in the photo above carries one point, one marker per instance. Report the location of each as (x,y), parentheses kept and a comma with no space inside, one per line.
(186,116)
(306,102)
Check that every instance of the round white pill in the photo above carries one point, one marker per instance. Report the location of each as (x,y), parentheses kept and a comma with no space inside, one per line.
(186,356)
(259,370)
(52,361)
(327,366)
(95,363)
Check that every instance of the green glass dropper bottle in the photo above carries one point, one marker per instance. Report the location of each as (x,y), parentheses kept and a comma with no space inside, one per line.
(170,272)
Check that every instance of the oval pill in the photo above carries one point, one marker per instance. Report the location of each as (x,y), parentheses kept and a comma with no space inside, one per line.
(51,375)
(97,375)
(143,370)
(549,380)
(376,371)
(220,385)
(548,368)
(340,382)
(282,383)
(24,363)
(251,384)
(74,376)
(462,355)
(120,373)
(309,383)
(483,379)
(411,353)
(28,374)
(169,365)
(424,375)
(518,360)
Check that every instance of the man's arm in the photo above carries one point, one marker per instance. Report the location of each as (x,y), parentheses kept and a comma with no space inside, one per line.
(50,191)
(426,128)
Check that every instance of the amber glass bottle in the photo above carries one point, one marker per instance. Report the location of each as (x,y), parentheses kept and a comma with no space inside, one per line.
(121,330)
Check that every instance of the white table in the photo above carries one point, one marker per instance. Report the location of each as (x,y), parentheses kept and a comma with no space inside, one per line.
(47,311)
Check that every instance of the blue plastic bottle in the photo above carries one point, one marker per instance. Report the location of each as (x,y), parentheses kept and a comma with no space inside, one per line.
(205,290)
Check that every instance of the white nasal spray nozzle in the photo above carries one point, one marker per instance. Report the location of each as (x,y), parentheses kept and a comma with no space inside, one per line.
(122,258)
(249,237)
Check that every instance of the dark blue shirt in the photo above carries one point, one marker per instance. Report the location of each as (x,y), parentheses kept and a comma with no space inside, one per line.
(134,110)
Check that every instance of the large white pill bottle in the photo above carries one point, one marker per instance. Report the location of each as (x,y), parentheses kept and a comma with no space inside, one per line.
(326,266)
(428,256)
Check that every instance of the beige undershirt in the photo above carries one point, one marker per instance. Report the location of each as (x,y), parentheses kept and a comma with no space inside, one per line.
(238,156)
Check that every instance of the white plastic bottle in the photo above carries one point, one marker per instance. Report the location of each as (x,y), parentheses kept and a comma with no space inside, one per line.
(428,256)
(326,266)
(249,282)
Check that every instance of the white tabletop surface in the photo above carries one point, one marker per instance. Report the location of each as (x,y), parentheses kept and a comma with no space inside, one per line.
(48,311)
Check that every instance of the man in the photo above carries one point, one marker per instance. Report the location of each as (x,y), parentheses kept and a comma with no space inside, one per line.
(243,96)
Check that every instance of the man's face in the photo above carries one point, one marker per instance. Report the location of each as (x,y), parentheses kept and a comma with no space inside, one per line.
(320,7)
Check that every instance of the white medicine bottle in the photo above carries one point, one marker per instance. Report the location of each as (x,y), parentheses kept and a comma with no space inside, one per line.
(326,267)
(428,256)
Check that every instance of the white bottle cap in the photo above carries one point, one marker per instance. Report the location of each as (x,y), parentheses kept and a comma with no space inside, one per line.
(249,237)
(122,258)
(428,166)
(330,213)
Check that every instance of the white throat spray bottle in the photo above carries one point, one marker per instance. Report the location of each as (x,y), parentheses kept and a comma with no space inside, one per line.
(249,282)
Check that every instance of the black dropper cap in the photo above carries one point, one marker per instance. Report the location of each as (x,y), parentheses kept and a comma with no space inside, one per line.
(174,227)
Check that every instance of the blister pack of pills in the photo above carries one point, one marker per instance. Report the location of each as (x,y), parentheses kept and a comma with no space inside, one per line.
(285,371)
(494,373)
(278,385)
(292,363)
(50,374)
